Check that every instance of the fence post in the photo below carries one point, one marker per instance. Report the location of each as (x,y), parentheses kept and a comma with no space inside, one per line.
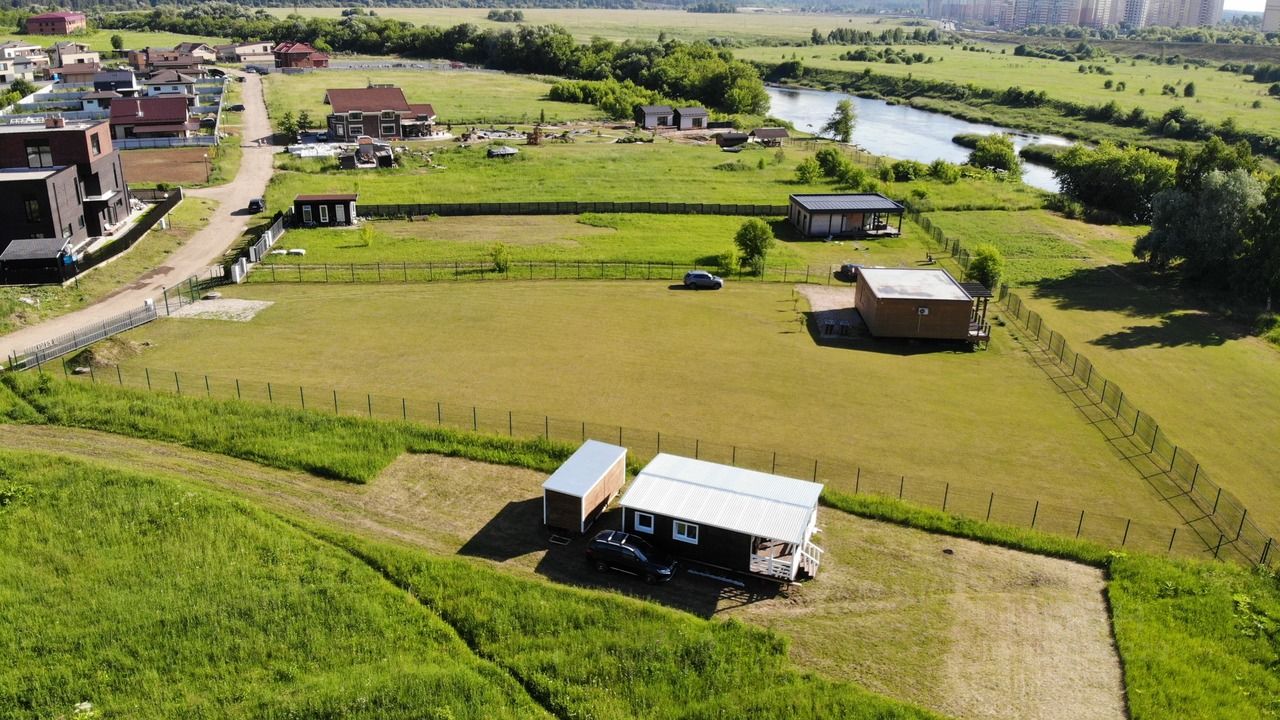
(659,441)
(120,378)
(302,398)
(946,493)
(1125,539)
(207,391)
(475,421)
(1215,502)
(774,468)
(902,486)
(237,388)
(857,481)
(546,427)
(696,446)
(1173,459)
(1080,525)
(1218,547)
(510,431)
(1266,550)
(815,471)
(369,397)
(335,401)
(733,459)
(270,399)
(990,502)
(1172,535)
(1034,514)
(404,409)
(147,370)
(1240,529)
(1194,475)
(439,415)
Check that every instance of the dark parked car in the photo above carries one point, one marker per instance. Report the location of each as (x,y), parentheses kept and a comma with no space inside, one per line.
(257,205)
(622,551)
(849,272)
(702,279)
(235,108)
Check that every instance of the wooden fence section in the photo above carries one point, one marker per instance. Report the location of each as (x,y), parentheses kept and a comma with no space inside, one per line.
(571,207)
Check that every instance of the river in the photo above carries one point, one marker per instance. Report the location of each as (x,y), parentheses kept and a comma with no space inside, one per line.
(901,131)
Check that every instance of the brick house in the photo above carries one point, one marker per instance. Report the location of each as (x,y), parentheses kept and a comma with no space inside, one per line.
(299,55)
(56,23)
(152,117)
(250,52)
(378,112)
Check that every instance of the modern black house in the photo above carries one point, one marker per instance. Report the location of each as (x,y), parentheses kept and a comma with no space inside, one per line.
(324,210)
(857,215)
(726,517)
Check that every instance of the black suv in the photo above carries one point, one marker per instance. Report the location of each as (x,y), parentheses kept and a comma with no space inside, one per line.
(628,553)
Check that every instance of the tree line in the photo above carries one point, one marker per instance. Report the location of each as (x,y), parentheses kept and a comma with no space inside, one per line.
(691,71)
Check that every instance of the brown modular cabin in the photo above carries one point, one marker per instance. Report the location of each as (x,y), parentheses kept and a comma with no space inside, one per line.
(580,489)
(915,303)
(857,215)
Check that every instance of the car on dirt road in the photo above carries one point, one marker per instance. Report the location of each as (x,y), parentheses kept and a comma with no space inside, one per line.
(617,550)
(695,279)
(257,205)
(235,108)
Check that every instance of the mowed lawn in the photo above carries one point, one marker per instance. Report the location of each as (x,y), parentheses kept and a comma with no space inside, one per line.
(589,170)
(1214,389)
(733,367)
(1040,244)
(680,239)
(100,40)
(1218,95)
(457,96)
(747,27)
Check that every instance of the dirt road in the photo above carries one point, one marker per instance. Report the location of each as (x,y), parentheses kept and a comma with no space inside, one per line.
(206,246)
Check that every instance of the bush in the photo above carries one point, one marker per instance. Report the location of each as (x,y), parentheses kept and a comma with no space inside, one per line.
(500,253)
(832,161)
(727,262)
(986,265)
(908,170)
(996,151)
(855,178)
(808,171)
(944,171)
(754,240)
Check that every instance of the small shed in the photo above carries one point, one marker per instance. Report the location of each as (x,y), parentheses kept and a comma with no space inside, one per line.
(691,118)
(915,303)
(731,139)
(324,210)
(727,517)
(580,489)
(654,116)
(857,215)
(502,151)
(770,136)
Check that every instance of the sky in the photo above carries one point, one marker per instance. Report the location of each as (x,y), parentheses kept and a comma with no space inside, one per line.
(1250,5)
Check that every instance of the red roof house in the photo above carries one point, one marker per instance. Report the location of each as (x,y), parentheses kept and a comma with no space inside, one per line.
(378,112)
(151,117)
(299,55)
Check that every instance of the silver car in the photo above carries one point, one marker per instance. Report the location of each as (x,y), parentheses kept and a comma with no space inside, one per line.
(697,279)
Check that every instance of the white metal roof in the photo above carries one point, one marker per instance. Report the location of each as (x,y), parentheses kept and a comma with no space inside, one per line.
(912,284)
(584,467)
(730,498)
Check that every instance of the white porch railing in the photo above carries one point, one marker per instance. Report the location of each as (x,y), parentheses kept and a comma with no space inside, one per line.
(773,567)
(811,558)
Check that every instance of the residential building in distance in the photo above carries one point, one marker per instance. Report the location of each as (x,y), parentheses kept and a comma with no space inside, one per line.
(56,23)
(1271,16)
(299,55)
(250,52)
(152,59)
(691,118)
(26,61)
(152,117)
(170,83)
(1018,14)
(67,53)
(61,185)
(378,112)
(77,74)
(651,117)
(123,82)
(197,49)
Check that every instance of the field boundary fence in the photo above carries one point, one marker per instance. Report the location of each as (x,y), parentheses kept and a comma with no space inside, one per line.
(570,207)
(482,271)
(169,302)
(1218,516)
(839,475)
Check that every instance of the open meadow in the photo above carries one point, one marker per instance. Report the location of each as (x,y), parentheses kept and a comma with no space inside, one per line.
(1218,95)
(457,95)
(596,168)
(735,367)
(744,27)
(100,40)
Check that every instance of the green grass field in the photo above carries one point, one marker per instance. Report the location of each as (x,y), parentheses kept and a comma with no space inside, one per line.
(1219,95)
(620,25)
(601,170)
(632,345)
(456,96)
(1214,388)
(100,40)
(53,300)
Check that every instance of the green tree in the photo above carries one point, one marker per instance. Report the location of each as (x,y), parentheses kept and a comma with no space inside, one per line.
(500,254)
(996,151)
(840,125)
(808,171)
(986,265)
(366,235)
(1261,266)
(1121,180)
(1206,228)
(117,42)
(288,125)
(1189,90)
(944,171)
(754,240)
(22,87)
(304,121)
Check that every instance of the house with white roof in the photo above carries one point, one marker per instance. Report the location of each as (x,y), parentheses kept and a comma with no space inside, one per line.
(726,517)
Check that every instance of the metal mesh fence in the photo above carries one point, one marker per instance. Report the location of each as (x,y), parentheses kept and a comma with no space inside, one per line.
(839,474)
(566,208)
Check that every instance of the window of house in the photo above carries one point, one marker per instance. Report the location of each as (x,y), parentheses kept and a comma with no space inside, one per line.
(96,142)
(685,532)
(339,129)
(324,213)
(388,129)
(66,232)
(33,209)
(306,214)
(388,115)
(38,154)
(81,221)
(355,116)
(644,523)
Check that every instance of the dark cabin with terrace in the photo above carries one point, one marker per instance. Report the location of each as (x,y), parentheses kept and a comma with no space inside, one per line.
(324,210)
(857,215)
(770,136)
(726,517)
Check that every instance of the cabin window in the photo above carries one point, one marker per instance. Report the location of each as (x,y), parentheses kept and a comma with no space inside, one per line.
(339,129)
(388,129)
(388,115)
(324,214)
(340,214)
(685,532)
(96,141)
(644,523)
(306,214)
(355,116)
(38,154)
(33,210)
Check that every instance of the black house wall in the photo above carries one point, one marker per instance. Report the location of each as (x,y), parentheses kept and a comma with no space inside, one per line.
(716,546)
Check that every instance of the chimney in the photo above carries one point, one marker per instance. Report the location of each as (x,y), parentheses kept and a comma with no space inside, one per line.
(54,121)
